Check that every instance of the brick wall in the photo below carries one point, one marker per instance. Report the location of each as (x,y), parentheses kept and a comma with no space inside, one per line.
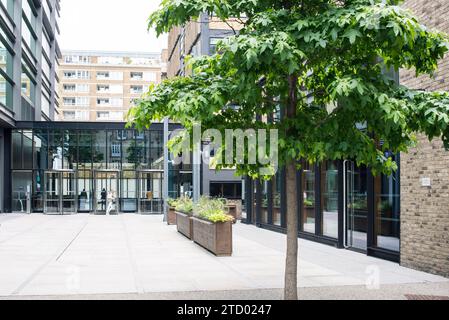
(425,210)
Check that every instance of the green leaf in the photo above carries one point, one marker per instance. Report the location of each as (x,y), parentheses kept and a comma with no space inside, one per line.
(352,35)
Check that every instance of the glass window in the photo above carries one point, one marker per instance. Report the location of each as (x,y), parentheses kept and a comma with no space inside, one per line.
(70,149)
(69,87)
(329,197)
(387,213)
(55,149)
(85,150)
(28,150)
(5,92)
(99,149)
(6,60)
(28,87)
(46,46)
(17,149)
(45,105)
(28,36)
(29,13)
(136,75)
(276,185)
(308,189)
(70,74)
(21,188)
(131,152)
(9,5)
(41,149)
(114,150)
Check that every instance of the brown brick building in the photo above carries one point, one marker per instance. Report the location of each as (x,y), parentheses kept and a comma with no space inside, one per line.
(425,170)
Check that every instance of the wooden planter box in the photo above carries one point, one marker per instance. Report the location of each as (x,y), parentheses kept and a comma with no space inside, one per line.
(185,224)
(215,237)
(171,219)
(232,211)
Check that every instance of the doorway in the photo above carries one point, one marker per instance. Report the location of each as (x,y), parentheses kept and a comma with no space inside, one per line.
(355,218)
(150,192)
(60,194)
(106,182)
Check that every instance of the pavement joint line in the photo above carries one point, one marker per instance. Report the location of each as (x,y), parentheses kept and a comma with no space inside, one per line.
(135,269)
(41,267)
(73,240)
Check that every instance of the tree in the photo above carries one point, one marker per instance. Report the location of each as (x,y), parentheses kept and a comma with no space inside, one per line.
(325,63)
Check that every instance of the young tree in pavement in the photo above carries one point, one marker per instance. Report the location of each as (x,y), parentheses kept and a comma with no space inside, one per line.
(323,62)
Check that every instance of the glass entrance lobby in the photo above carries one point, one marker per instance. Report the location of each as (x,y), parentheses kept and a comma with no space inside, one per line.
(94,168)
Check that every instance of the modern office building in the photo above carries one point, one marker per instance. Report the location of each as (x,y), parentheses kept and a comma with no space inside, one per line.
(194,39)
(101,86)
(70,167)
(28,73)
(403,217)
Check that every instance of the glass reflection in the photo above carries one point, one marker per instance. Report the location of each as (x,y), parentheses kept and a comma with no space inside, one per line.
(276,187)
(387,214)
(308,206)
(329,196)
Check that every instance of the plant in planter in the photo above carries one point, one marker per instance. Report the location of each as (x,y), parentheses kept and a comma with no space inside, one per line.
(184,211)
(212,227)
(171,218)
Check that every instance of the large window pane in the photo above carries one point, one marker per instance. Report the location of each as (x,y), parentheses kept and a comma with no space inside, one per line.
(387,219)
(70,149)
(41,149)
(9,5)
(329,196)
(5,93)
(28,87)
(99,149)
(17,149)
(308,207)
(131,152)
(55,149)
(276,185)
(85,150)
(21,189)
(28,150)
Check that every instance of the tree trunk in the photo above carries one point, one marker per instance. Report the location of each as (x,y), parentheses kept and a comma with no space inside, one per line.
(291,266)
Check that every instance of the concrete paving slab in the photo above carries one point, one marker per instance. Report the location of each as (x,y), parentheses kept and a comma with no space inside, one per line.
(133,255)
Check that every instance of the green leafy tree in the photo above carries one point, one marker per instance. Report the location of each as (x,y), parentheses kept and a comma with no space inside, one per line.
(324,64)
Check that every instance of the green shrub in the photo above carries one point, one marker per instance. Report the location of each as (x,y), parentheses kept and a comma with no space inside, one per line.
(212,210)
(308,203)
(172,202)
(184,205)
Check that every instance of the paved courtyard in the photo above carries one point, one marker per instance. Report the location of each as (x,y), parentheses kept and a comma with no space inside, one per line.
(133,256)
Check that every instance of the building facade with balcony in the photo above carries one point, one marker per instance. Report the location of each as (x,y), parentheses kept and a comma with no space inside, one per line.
(101,86)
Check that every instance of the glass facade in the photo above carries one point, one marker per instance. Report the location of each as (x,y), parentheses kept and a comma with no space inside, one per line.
(339,203)
(68,171)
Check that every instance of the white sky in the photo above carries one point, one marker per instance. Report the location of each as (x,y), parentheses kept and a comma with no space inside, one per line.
(112,25)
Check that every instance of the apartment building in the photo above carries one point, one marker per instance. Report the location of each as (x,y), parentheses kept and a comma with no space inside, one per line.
(101,86)
(28,74)
(200,38)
